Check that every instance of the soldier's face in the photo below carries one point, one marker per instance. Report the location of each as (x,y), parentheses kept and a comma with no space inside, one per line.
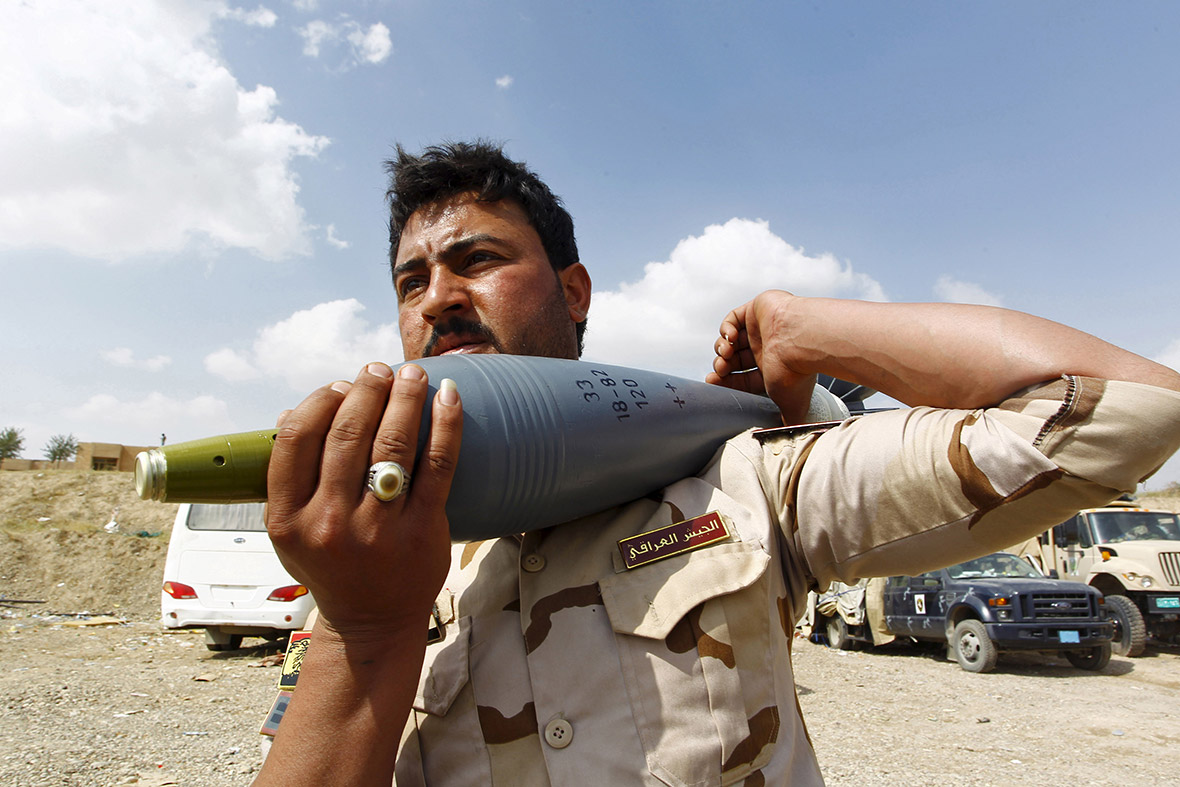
(473,277)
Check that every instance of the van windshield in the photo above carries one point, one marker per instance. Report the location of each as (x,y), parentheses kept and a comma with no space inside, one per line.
(236,516)
(1112,527)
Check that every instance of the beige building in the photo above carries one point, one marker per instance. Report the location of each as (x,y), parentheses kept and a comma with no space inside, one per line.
(90,456)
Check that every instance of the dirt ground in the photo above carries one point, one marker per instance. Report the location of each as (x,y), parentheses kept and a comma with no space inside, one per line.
(92,703)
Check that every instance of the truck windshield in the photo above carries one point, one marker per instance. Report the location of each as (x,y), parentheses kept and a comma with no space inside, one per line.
(1111,527)
(235,516)
(997,565)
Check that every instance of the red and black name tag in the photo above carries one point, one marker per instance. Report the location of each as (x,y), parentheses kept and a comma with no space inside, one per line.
(673,539)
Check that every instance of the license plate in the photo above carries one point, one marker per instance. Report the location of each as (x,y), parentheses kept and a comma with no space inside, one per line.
(1070,637)
(1170,602)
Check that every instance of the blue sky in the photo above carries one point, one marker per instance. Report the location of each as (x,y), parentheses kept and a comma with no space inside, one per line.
(192,228)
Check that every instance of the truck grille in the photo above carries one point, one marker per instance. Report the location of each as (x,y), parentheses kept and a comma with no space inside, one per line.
(1044,606)
(1170,563)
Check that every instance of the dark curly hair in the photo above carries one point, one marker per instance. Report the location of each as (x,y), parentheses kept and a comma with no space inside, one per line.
(442,171)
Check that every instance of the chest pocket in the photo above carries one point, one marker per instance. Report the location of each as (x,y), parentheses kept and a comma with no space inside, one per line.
(694,646)
(446,741)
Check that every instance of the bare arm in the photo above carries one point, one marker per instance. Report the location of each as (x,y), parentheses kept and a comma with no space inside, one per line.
(937,354)
(374,568)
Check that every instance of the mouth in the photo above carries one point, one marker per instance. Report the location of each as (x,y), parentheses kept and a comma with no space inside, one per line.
(461,345)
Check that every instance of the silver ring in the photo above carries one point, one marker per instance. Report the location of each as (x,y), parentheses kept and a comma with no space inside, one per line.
(388,481)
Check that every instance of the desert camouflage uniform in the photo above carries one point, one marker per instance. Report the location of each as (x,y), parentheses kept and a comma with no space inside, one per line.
(560,666)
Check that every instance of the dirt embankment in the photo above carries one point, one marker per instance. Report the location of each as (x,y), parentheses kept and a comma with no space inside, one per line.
(54,546)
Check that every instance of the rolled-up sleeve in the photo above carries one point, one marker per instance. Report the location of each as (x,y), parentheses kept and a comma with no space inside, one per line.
(904,491)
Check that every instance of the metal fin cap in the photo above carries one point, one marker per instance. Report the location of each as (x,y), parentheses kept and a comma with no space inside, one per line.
(150,474)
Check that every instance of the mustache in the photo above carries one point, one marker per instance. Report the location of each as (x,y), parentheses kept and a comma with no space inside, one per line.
(458,325)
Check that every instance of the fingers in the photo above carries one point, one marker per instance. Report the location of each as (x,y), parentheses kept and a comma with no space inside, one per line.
(346,446)
(396,438)
(294,468)
(436,467)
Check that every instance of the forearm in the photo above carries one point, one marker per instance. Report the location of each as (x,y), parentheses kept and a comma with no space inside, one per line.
(945,355)
(346,717)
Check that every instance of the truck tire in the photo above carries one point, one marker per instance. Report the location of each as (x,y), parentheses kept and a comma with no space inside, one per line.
(973,648)
(1130,632)
(1094,658)
(838,636)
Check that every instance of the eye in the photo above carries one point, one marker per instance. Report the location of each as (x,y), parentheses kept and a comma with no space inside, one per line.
(407,287)
(476,257)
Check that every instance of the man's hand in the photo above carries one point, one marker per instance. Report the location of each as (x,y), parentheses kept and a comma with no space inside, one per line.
(754,354)
(372,566)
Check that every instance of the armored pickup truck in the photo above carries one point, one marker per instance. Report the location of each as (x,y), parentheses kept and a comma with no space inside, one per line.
(979,608)
(1132,555)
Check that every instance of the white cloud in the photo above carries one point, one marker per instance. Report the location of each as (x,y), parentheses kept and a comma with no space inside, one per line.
(955,291)
(668,319)
(305,6)
(370,45)
(330,236)
(259,17)
(373,45)
(141,422)
(230,365)
(124,134)
(1170,357)
(123,356)
(314,34)
(504,82)
(313,347)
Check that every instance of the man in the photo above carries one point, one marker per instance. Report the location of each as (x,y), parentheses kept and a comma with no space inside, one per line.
(555,661)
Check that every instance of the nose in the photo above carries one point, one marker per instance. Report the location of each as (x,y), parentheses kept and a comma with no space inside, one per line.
(445,296)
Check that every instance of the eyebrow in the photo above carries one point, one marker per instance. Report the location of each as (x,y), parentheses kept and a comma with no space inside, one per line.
(458,247)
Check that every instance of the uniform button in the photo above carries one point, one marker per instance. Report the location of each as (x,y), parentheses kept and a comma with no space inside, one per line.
(559,733)
(533,563)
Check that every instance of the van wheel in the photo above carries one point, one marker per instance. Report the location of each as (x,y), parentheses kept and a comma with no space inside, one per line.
(219,640)
(838,636)
(974,649)
(1130,632)
(1094,658)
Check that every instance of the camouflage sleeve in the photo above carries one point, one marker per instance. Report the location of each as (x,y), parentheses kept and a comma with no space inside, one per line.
(909,490)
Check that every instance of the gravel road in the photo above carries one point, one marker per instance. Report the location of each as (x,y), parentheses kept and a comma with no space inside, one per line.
(130,704)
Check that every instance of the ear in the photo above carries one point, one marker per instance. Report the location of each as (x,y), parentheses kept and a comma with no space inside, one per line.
(575,284)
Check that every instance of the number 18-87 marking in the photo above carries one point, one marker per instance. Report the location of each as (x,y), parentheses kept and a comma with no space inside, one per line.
(621,398)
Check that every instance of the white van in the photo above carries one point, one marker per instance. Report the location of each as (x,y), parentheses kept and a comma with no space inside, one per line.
(222,575)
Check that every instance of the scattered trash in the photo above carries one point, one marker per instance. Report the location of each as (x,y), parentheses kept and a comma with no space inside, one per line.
(983,720)
(12,602)
(43,518)
(112,526)
(1116,732)
(274,660)
(194,733)
(206,677)
(98,620)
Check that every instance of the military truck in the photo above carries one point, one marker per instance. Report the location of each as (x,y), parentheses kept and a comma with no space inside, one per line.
(979,608)
(1132,555)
